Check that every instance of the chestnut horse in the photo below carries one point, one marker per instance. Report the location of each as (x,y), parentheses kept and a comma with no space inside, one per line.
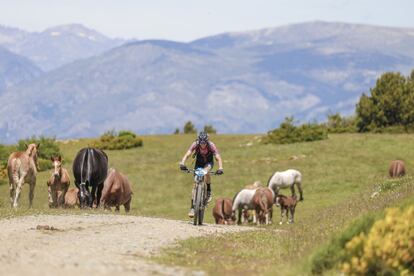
(222,211)
(22,167)
(58,183)
(397,169)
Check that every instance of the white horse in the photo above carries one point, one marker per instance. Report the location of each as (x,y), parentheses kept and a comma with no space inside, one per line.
(243,201)
(286,179)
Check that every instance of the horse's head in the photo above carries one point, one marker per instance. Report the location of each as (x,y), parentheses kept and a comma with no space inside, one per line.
(57,164)
(33,151)
(84,196)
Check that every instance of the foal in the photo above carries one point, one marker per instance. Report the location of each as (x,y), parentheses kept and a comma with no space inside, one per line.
(287,204)
(58,183)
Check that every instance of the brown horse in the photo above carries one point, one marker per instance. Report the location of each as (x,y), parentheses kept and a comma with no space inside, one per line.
(263,204)
(397,169)
(117,191)
(287,204)
(58,183)
(22,168)
(71,198)
(222,211)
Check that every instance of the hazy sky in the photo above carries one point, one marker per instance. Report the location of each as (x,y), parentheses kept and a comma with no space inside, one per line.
(185,20)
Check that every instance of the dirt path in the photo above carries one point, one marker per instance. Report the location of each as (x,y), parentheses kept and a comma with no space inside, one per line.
(92,244)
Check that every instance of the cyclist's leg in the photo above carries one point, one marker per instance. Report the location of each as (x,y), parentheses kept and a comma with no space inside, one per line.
(208,168)
(191,212)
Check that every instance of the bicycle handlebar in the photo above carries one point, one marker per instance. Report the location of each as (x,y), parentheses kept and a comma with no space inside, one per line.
(192,170)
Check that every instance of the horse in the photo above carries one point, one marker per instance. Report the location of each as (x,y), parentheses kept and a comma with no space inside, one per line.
(397,169)
(263,204)
(286,179)
(242,201)
(71,198)
(58,183)
(90,168)
(222,211)
(287,204)
(22,167)
(117,191)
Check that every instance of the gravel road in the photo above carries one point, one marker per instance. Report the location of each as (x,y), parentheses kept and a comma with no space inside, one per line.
(93,244)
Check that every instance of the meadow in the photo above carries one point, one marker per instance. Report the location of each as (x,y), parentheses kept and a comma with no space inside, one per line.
(339,175)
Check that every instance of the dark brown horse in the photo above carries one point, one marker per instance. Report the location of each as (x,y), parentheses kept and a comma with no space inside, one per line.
(90,168)
(58,183)
(397,169)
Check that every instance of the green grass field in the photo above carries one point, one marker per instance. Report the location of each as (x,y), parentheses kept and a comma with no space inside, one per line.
(339,175)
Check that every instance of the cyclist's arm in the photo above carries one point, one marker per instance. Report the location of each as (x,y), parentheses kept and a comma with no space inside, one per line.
(220,162)
(187,154)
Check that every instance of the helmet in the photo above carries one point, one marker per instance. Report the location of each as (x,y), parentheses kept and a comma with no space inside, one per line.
(202,137)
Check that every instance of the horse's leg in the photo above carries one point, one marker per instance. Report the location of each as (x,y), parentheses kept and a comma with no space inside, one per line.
(117,208)
(31,191)
(12,188)
(300,191)
(127,206)
(281,216)
(257,211)
(99,194)
(254,216)
(239,215)
(93,196)
(292,189)
(18,190)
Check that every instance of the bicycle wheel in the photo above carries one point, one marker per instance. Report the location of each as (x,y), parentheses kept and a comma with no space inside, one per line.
(198,203)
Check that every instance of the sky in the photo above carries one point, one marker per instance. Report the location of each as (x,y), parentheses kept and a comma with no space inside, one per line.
(186,20)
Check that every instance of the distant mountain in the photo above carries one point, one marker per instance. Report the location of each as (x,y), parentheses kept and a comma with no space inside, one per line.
(15,70)
(239,82)
(56,46)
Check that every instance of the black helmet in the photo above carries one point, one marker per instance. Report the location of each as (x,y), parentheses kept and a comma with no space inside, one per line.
(202,137)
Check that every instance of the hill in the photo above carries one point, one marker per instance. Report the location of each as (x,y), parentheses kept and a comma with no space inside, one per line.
(243,82)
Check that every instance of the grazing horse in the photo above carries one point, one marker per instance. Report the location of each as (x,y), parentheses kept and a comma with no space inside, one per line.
(397,169)
(117,191)
(58,183)
(22,168)
(71,198)
(222,211)
(287,204)
(263,204)
(90,168)
(242,202)
(286,179)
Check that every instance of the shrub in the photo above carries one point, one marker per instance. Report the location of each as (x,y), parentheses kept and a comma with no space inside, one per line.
(288,133)
(329,256)
(189,128)
(388,248)
(177,131)
(338,124)
(111,140)
(210,129)
(48,148)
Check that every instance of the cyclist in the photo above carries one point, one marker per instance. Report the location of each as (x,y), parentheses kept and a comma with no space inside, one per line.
(203,151)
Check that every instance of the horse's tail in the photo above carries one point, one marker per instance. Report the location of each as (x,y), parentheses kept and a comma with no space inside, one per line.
(222,209)
(263,201)
(13,170)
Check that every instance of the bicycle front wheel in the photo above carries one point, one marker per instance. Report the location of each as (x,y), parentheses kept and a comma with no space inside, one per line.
(198,205)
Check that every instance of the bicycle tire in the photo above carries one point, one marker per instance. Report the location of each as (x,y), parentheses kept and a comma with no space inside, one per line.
(198,205)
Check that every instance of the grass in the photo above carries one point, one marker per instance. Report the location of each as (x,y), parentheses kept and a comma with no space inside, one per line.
(336,173)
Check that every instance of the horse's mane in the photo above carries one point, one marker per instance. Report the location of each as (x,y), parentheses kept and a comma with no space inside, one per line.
(268,181)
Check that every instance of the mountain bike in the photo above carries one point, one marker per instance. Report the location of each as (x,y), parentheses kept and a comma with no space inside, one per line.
(199,194)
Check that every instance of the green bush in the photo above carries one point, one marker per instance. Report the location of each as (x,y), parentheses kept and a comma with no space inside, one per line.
(48,148)
(189,128)
(338,124)
(331,255)
(288,133)
(117,141)
(210,129)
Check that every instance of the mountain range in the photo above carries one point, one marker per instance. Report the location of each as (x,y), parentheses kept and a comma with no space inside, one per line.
(244,82)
